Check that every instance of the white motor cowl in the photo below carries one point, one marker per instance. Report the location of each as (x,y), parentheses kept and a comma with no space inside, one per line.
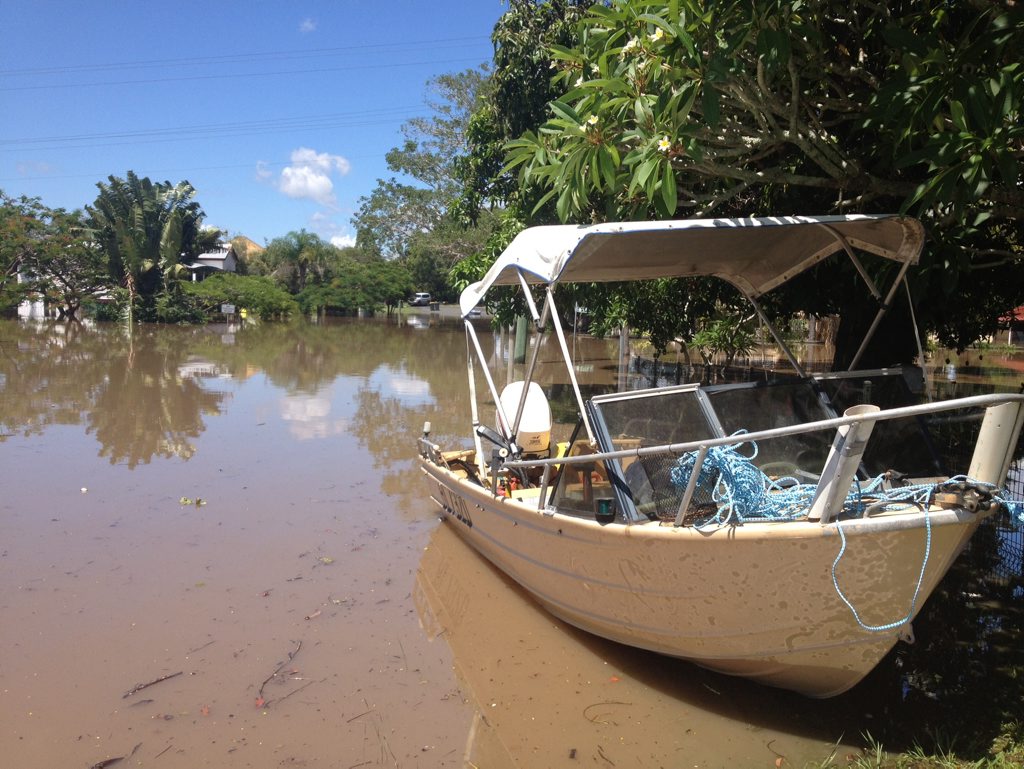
(534,435)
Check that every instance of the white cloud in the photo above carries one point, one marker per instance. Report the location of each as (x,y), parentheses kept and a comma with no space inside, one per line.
(343,241)
(40,168)
(309,175)
(307,25)
(263,172)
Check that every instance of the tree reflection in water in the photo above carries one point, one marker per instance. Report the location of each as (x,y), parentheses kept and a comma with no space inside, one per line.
(148,397)
(136,393)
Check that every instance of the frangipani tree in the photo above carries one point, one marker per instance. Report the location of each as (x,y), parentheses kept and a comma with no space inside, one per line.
(689,108)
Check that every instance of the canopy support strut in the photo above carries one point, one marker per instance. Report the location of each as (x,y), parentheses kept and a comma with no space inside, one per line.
(777,337)
(568,362)
(879,315)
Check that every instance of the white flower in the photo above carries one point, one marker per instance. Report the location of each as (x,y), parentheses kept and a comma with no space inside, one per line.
(664,145)
(659,33)
(579,81)
(631,45)
(593,120)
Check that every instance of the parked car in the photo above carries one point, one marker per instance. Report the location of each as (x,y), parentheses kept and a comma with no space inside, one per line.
(420,299)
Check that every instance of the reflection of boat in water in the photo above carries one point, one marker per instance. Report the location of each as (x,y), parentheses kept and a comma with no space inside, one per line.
(776,556)
(547,695)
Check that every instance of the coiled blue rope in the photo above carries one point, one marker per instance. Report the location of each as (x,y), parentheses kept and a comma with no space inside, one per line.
(744,493)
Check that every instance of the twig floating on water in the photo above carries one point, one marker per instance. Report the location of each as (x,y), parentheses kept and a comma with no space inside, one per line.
(291,656)
(296,691)
(111,761)
(139,687)
(200,648)
(595,719)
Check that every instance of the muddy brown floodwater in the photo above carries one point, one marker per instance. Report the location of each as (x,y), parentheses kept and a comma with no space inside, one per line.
(234,517)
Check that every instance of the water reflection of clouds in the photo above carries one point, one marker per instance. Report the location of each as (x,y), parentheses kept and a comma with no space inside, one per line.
(309,416)
(316,415)
(401,386)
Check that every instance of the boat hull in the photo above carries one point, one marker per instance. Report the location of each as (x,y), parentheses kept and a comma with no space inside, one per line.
(757,600)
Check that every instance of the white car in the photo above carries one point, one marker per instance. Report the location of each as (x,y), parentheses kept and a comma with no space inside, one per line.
(420,299)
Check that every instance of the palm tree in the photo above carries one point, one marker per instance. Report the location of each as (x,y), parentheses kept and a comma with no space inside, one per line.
(144,228)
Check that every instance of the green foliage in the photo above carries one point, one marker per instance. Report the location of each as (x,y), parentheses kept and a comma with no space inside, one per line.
(297,259)
(730,336)
(503,304)
(357,284)
(397,213)
(176,306)
(144,228)
(260,296)
(779,106)
(411,221)
(393,215)
(515,101)
(54,253)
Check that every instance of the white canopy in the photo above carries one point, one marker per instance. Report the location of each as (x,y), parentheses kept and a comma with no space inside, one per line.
(754,254)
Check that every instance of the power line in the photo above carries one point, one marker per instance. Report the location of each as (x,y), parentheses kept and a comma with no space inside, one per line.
(186,78)
(243,57)
(155,171)
(210,130)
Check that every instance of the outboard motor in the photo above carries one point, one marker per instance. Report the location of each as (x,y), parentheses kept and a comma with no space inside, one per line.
(534,436)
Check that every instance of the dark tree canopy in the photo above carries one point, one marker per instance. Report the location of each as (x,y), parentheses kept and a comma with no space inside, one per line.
(779,107)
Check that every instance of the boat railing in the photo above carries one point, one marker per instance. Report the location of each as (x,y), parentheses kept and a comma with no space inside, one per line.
(993,448)
(976,401)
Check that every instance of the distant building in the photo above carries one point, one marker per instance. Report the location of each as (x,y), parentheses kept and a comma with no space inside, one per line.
(223,259)
(246,247)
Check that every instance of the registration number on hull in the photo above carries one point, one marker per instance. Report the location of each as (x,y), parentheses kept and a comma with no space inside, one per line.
(453,504)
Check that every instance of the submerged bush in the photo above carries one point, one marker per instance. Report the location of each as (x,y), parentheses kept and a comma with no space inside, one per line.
(261,296)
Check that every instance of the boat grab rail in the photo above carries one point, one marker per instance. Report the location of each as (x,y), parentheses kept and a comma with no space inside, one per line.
(975,401)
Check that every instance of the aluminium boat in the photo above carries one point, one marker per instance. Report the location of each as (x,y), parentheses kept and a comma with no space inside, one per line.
(787,531)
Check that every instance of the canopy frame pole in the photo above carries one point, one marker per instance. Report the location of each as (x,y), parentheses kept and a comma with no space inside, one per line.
(917,337)
(471,332)
(560,333)
(474,412)
(777,336)
(539,322)
(886,304)
(841,239)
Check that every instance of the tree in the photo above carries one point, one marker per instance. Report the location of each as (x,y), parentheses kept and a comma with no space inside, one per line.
(21,226)
(297,259)
(366,284)
(260,296)
(778,106)
(52,252)
(514,100)
(144,228)
(412,220)
(67,265)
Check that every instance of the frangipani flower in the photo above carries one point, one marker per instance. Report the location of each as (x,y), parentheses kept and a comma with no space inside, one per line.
(659,33)
(664,145)
(593,120)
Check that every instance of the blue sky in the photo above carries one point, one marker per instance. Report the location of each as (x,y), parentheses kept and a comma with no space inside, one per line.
(278,113)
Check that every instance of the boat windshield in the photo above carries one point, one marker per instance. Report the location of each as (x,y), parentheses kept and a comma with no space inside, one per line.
(688,413)
(691,413)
